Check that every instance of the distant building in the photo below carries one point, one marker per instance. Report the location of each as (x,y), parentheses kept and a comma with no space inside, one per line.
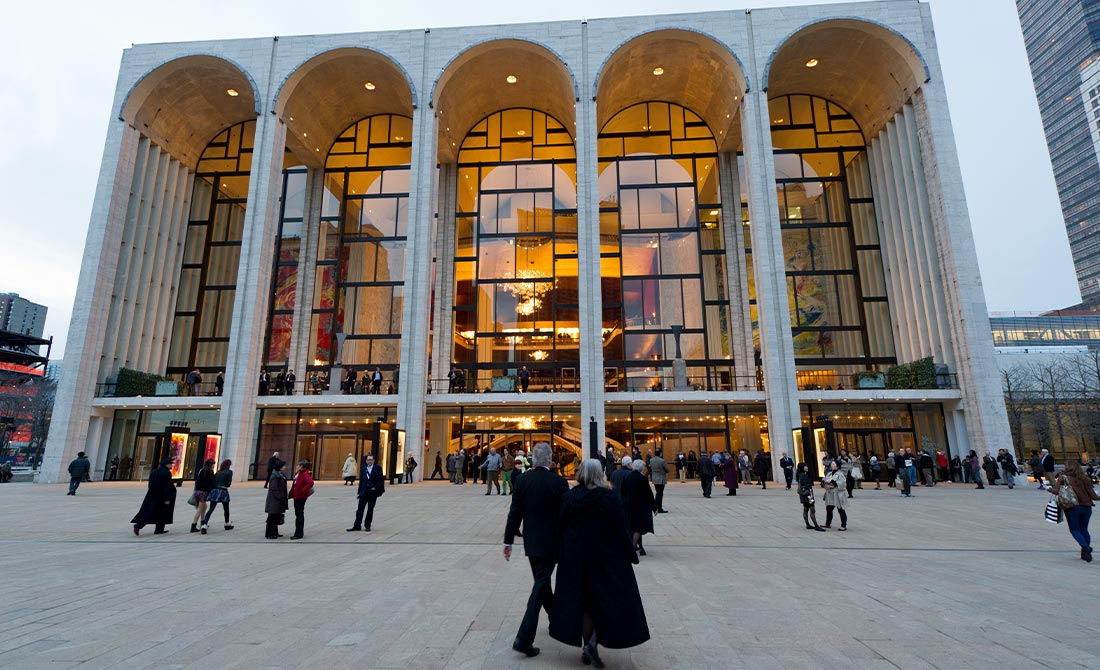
(1063,45)
(1045,329)
(19,315)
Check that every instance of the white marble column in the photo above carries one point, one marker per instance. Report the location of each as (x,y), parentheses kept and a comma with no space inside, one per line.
(589,291)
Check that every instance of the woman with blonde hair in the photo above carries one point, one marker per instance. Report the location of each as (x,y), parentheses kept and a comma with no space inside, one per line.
(596,600)
(1074,479)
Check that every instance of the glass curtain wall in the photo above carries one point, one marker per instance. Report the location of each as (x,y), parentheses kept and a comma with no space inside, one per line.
(662,258)
(359,287)
(284,282)
(212,250)
(836,289)
(515,291)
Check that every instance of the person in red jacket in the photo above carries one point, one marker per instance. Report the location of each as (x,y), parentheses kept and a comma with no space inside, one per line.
(300,491)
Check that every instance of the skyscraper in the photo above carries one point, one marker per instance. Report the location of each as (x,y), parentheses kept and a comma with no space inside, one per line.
(1063,46)
(19,315)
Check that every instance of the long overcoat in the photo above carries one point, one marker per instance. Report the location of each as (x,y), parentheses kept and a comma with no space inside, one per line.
(276,502)
(161,490)
(638,503)
(595,572)
(729,473)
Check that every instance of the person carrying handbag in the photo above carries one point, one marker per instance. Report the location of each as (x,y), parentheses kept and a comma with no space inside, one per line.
(835,495)
(1076,497)
(806,497)
(276,503)
(300,491)
(204,484)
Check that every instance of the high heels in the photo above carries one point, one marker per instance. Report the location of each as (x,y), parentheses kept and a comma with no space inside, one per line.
(589,655)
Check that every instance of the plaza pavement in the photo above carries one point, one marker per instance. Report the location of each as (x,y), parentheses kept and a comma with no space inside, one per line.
(952,578)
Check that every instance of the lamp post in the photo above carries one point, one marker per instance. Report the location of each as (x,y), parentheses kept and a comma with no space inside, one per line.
(593,433)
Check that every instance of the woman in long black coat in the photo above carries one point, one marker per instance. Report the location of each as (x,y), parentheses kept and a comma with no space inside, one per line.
(159,503)
(596,600)
(639,504)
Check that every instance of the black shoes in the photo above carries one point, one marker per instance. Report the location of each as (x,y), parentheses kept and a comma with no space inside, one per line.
(1086,554)
(820,529)
(159,532)
(296,537)
(137,531)
(589,656)
(641,551)
(353,529)
(194,528)
(229,526)
(527,649)
(366,529)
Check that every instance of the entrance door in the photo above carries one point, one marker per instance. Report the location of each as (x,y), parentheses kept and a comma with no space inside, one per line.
(143,457)
(306,449)
(334,451)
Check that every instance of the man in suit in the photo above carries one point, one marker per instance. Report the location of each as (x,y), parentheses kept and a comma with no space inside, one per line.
(372,484)
(658,473)
(787,464)
(617,477)
(536,502)
(1048,465)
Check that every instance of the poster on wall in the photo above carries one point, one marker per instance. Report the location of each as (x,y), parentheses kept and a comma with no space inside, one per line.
(177,453)
(212,448)
(401,455)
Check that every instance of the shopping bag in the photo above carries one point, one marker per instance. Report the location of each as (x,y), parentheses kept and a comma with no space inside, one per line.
(1053,511)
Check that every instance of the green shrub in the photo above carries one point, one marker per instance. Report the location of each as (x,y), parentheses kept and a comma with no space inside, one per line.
(130,383)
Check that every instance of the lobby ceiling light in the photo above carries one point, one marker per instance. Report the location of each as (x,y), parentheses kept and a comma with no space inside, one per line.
(812,62)
(369,86)
(232,92)
(521,133)
(511,79)
(658,71)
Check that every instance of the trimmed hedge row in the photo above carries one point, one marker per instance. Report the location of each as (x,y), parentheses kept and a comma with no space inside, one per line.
(131,383)
(920,374)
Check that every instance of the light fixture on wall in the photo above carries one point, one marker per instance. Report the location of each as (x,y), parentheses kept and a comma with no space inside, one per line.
(511,79)
(812,62)
(369,86)
(658,71)
(232,92)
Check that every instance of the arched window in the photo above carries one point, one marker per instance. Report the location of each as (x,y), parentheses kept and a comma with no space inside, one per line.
(212,251)
(840,313)
(360,277)
(662,256)
(515,301)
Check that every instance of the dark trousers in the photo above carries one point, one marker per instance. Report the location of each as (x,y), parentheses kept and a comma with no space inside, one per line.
(366,501)
(707,482)
(210,512)
(299,516)
(272,529)
(906,484)
(74,484)
(761,481)
(829,516)
(541,598)
(437,471)
(659,498)
(891,475)
(849,484)
(788,475)
(1077,518)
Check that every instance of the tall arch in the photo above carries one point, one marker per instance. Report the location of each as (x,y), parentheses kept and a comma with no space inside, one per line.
(685,67)
(867,68)
(181,104)
(496,75)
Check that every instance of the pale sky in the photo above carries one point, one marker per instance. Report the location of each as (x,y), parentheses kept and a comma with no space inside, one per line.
(61,63)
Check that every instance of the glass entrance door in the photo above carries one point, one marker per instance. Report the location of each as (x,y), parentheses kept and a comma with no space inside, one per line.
(334,451)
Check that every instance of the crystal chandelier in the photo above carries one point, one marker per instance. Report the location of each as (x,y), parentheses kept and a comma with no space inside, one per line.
(528,293)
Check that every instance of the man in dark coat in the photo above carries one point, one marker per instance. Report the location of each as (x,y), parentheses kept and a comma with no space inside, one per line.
(372,484)
(729,469)
(78,472)
(706,473)
(596,599)
(536,503)
(760,466)
(617,477)
(787,464)
(1048,465)
(638,504)
(438,466)
(159,503)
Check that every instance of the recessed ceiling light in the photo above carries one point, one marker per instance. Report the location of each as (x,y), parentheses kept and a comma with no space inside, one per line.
(292,118)
(811,63)
(521,133)
(511,79)
(369,86)
(232,92)
(658,71)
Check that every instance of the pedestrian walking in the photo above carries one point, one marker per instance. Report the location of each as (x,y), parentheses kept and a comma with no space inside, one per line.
(372,484)
(989,464)
(692,462)
(619,475)
(638,504)
(300,491)
(537,506)
(438,466)
(943,467)
(806,497)
(845,462)
(507,467)
(160,501)
(658,474)
(79,469)
(348,471)
(113,473)
(744,464)
(493,464)
(876,471)
(857,470)
(596,601)
(1078,506)
(835,487)
(925,462)
(271,466)
(204,484)
(786,463)
(681,467)
(223,479)
(761,464)
(904,461)
(968,472)
(706,471)
(956,469)
(891,468)
(975,468)
(1048,464)
(1008,467)
(460,467)
(276,504)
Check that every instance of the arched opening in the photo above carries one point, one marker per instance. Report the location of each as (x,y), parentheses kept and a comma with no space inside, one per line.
(496,75)
(662,250)
(331,91)
(515,256)
(684,67)
(863,67)
(836,288)
(211,253)
(183,103)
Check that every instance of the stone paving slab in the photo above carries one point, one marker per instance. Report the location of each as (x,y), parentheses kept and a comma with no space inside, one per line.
(952,578)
